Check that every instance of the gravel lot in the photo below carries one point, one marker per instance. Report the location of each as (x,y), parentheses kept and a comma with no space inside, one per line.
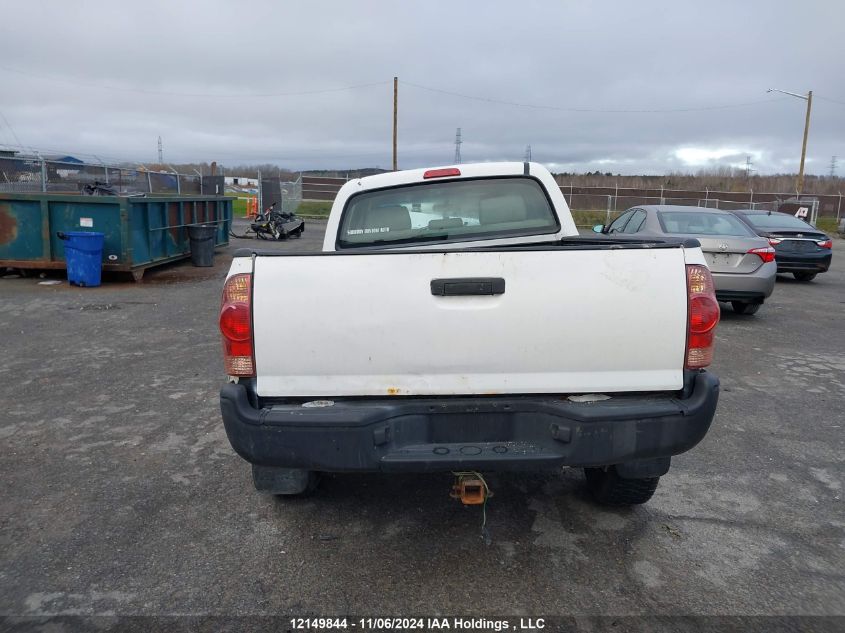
(121,495)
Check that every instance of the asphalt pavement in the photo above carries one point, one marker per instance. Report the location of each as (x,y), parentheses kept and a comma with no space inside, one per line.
(121,494)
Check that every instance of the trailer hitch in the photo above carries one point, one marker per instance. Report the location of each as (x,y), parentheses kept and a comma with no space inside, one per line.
(470,488)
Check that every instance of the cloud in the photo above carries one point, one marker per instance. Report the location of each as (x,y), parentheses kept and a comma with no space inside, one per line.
(249,82)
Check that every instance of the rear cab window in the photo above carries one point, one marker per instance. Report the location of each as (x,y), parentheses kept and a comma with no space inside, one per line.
(447,211)
(702,223)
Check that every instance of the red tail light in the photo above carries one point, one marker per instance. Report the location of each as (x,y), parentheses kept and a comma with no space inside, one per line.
(702,317)
(766,253)
(236,325)
(442,173)
(825,243)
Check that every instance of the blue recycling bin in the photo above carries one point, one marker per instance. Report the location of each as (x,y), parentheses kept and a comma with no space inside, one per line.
(84,257)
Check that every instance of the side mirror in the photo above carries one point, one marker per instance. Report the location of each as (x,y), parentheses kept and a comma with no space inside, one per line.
(598,228)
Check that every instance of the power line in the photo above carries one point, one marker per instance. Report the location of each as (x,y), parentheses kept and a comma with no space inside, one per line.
(11,129)
(593,110)
(232,95)
(842,103)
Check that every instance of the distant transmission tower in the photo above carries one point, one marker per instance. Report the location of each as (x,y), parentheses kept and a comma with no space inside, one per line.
(527,153)
(458,142)
(160,152)
(748,165)
(833,160)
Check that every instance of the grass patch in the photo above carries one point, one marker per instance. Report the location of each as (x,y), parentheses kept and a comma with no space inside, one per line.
(828,225)
(591,218)
(239,207)
(314,208)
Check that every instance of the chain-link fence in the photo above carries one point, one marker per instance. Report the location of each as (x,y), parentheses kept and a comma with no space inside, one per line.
(39,175)
(321,187)
(615,200)
(286,194)
(598,208)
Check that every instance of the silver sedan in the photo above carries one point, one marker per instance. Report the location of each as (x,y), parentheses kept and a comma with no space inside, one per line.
(742,263)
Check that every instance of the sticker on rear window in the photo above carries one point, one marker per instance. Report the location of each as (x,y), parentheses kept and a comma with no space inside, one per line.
(381,229)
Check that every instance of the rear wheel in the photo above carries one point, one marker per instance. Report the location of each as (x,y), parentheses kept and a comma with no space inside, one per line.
(741,307)
(310,488)
(608,488)
(285,482)
(805,276)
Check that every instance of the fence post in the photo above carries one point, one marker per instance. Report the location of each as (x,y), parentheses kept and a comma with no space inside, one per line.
(106,171)
(43,176)
(751,201)
(661,195)
(260,192)
(615,195)
(607,220)
(149,181)
(199,173)
(838,207)
(178,184)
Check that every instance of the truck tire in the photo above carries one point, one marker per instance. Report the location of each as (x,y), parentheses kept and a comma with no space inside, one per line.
(285,482)
(608,488)
(805,276)
(742,307)
(310,488)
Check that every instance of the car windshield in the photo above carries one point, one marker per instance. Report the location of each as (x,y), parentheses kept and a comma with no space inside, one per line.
(702,223)
(442,211)
(777,221)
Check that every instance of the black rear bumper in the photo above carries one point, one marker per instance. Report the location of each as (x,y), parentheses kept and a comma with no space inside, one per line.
(481,433)
(793,262)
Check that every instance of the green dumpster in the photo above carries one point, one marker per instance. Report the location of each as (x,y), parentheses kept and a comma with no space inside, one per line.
(139,232)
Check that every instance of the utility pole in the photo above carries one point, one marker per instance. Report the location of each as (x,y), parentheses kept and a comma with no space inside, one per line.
(395,119)
(527,153)
(833,160)
(804,143)
(458,142)
(748,169)
(809,99)
(160,152)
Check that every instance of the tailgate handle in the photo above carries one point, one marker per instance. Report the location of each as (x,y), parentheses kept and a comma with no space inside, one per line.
(461,286)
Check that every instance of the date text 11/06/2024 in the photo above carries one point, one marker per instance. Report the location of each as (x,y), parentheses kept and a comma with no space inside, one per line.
(417,624)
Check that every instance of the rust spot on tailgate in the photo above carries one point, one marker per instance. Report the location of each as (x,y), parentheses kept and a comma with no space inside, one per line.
(8,225)
(393,391)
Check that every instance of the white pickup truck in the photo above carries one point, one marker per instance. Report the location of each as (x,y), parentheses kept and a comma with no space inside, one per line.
(455,321)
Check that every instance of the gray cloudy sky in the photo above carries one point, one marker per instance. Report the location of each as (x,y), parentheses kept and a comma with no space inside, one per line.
(108,78)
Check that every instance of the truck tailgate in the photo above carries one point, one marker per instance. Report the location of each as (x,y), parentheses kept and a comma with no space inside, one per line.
(568,321)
